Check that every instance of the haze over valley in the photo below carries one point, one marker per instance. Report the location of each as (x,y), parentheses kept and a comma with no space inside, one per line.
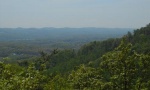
(74,45)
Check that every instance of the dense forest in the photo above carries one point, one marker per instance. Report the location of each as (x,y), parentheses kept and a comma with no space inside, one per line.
(112,64)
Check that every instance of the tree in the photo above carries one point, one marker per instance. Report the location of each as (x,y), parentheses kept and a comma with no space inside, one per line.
(85,78)
(123,68)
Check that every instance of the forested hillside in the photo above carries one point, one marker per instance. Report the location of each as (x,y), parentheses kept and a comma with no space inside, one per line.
(112,64)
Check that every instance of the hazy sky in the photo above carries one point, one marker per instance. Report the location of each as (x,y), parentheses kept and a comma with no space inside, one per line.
(74,13)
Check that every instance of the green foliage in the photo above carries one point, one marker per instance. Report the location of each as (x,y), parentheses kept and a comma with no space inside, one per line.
(58,82)
(141,40)
(12,78)
(103,66)
(123,67)
(85,78)
(120,69)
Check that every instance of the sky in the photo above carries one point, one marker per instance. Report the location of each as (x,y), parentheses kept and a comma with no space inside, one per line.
(74,13)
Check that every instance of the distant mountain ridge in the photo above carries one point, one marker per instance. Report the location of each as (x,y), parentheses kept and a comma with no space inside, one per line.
(9,34)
